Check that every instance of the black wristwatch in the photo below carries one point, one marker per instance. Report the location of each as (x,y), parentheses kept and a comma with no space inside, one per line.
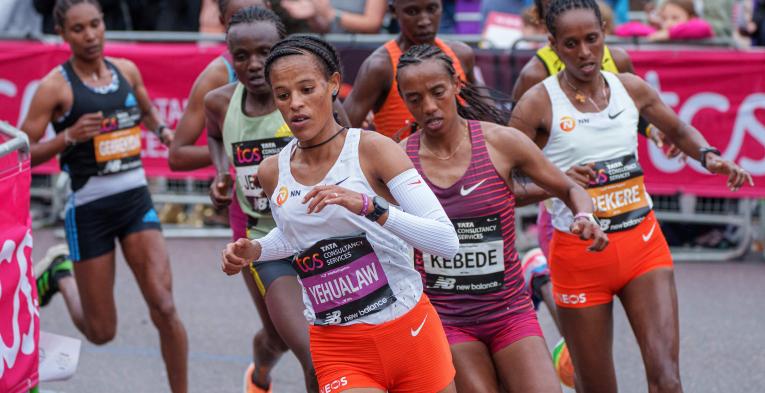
(380,207)
(704,151)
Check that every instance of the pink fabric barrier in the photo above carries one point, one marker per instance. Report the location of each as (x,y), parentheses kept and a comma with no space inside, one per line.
(19,314)
(721,92)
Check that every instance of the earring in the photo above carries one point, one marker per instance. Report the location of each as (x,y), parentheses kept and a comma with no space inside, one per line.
(334,93)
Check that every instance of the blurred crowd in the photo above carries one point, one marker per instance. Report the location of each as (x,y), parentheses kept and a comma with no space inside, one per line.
(657,20)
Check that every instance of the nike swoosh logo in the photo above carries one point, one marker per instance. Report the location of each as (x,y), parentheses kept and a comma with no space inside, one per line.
(466,191)
(338,183)
(648,235)
(610,116)
(416,332)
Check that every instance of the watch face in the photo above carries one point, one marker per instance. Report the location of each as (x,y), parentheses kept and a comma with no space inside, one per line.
(381,202)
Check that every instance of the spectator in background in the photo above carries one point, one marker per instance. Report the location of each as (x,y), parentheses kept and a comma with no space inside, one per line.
(118,14)
(19,17)
(507,6)
(338,16)
(719,14)
(621,11)
(758,19)
(754,24)
(676,20)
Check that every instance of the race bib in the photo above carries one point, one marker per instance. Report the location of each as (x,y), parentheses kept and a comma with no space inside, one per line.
(118,146)
(618,194)
(343,279)
(247,156)
(478,267)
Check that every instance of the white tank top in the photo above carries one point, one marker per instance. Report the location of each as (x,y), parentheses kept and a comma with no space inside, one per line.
(608,138)
(352,269)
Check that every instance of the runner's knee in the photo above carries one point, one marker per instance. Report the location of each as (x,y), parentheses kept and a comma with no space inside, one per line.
(162,309)
(101,333)
(663,378)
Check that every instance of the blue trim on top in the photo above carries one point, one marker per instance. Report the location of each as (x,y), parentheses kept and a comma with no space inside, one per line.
(230,70)
(70,226)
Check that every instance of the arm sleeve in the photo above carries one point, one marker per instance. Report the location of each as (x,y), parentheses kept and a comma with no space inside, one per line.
(421,221)
(274,246)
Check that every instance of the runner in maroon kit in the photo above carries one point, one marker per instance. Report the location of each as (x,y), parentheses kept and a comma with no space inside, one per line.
(486,312)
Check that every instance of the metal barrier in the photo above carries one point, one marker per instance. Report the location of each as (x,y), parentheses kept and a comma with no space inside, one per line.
(19,140)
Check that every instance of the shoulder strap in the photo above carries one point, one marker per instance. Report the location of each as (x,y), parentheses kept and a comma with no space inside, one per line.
(550,59)
(608,63)
(395,53)
(70,75)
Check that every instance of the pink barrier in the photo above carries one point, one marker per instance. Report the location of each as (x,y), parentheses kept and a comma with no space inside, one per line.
(19,314)
(721,92)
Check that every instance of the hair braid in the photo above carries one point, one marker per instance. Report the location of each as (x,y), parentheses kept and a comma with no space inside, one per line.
(257,14)
(477,106)
(558,7)
(62,6)
(302,44)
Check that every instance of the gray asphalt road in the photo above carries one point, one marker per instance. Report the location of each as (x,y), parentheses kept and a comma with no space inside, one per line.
(720,305)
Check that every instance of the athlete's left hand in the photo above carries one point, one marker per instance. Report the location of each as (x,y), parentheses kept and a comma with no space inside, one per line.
(167,136)
(588,230)
(737,176)
(321,196)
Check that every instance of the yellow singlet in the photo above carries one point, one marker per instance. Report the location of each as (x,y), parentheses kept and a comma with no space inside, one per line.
(552,62)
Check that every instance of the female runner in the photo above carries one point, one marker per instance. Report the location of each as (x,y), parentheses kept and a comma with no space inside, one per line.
(243,127)
(332,192)
(487,314)
(96,105)
(587,119)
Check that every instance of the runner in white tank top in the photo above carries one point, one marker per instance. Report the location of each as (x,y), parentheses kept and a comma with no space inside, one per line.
(586,122)
(330,188)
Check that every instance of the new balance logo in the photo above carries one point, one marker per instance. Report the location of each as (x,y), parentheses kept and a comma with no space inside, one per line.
(444,283)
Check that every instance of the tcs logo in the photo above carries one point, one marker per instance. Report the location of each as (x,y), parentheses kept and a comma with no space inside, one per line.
(334,385)
(576,298)
(567,123)
(309,263)
(282,196)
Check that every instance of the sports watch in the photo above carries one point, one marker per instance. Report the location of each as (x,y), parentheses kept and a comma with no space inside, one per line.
(380,206)
(704,151)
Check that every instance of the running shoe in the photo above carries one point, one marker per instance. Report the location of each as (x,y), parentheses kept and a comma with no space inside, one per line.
(51,268)
(249,385)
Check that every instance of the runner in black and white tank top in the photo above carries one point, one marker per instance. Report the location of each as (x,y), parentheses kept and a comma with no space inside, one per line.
(97,106)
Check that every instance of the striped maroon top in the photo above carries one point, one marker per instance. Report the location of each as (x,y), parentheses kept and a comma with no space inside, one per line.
(484,281)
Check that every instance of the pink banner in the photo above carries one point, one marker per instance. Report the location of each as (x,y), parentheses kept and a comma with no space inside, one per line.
(19,314)
(168,72)
(721,92)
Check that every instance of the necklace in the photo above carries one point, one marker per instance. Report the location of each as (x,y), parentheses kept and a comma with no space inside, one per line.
(457,149)
(581,97)
(321,143)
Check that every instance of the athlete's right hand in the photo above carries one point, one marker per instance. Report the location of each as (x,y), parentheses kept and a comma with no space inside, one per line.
(582,174)
(238,255)
(85,128)
(220,190)
(588,230)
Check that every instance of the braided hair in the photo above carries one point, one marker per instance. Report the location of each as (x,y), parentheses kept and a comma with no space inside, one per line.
(558,7)
(476,103)
(63,6)
(257,14)
(301,44)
